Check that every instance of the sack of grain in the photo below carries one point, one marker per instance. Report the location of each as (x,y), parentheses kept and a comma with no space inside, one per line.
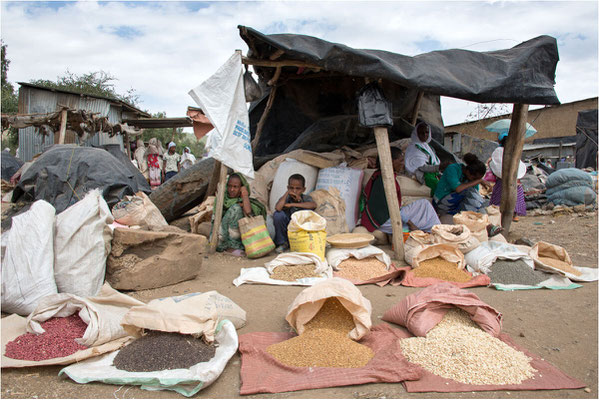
(552,258)
(446,251)
(458,235)
(138,210)
(293,258)
(476,222)
(417,240)
(307,304)
(193,313)
(494,215)
(481,258)
(307,233)
(337,255)
(331,207)
(423,310)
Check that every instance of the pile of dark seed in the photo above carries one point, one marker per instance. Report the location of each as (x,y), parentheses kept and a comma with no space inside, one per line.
(515,272)
(158,351)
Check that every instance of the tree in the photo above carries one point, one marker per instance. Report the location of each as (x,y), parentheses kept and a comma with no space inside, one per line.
(488,110)
(10,104)
(97,83)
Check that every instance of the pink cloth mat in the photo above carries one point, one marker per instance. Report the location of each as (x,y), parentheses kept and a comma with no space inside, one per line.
(261,373)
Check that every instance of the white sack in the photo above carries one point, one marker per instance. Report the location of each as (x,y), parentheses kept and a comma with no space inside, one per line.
(183,381)
(81,245)
(28,267)
(335,256)
(260,275)
(222,98)
(296,258)
(285,170)
(481,258)
(349,183)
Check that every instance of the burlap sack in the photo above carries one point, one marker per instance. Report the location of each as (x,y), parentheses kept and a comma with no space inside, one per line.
(476,222)
(417,240)
(331,207)
(494,215)
(423,310)
(458,235)
(544,249)
(138,210)
(307,304)
(321,267)
(446,251)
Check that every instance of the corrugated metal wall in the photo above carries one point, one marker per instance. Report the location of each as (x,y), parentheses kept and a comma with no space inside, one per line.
(33,100)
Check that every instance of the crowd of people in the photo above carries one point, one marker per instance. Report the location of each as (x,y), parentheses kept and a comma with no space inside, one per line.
(157,165)
(454,189)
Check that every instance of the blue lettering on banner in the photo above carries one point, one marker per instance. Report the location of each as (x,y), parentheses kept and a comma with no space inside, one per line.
(241,131)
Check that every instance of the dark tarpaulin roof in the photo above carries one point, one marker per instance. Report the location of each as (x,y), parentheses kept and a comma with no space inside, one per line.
(523,74)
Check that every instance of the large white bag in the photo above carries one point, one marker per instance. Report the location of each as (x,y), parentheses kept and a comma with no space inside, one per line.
(81,245)
(28,267)
(285,170)
(481,258)
(349,183)
(222,98)
(335,255)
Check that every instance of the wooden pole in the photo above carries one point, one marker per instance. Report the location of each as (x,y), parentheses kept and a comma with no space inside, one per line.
(173,135)
(63,126)
(260,125)
(512,153)
(127,144)
(382,144)
(220,199)
(417,107)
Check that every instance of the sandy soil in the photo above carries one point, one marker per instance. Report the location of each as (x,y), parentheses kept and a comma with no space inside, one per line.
(558,325)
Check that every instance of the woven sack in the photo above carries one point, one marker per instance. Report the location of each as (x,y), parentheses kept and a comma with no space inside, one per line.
(255,237)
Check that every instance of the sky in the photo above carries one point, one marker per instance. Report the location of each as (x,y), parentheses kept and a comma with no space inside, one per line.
(163,49)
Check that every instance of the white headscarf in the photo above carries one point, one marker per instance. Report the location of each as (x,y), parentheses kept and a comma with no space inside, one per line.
(187,159)
(420,153)
(496,164)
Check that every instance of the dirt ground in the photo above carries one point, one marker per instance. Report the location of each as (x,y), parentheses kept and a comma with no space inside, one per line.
(558,325)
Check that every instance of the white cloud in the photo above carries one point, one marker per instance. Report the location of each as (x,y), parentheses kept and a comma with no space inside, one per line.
(174,46)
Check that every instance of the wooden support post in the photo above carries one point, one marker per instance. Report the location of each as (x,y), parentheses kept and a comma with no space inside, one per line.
(260,125)
(382,144)
(220,199)
(127,144)
(63,126)
(173,135)
(214,180)
(512,153)
(417,107)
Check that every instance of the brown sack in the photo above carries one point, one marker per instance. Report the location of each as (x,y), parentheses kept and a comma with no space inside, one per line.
(331,207)
(308,303)
(203,213)
(138,210)
(476,222)
(544,249)
(417,241)
(448,252)
(458,235)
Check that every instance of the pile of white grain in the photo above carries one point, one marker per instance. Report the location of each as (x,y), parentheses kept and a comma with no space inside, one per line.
(459,349)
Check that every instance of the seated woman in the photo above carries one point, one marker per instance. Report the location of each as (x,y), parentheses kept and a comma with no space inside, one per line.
(237,205)
(421,160)
(496,166)
(418,215)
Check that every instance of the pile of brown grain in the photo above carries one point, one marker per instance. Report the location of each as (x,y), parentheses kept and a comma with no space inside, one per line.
(559,264)
(440,268)
(292,273)
(361,270)
(324,343)
(459,349)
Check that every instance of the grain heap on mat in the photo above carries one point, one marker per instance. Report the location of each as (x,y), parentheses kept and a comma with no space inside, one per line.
(324,343)
(361,270)
(515,272)
(58,340)
(559,264)
(292,273)
(442,269)
(158,351)
(460,350)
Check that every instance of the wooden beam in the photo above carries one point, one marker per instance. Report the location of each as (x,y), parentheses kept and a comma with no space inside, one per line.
(220,199)
(63,126)
(260,126)
(512,153)
(276,54)
(278,63)
(382,144)
(275,77)
(417,107)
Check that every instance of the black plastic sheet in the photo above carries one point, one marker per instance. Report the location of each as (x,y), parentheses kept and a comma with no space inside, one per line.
(586,139)
(10,165)
(373,107)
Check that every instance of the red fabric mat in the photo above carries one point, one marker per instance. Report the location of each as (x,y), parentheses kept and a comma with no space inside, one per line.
(414,281)
(547,376)
(261,373)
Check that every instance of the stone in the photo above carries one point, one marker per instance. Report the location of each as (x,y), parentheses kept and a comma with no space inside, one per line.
(142,259)
(579,208)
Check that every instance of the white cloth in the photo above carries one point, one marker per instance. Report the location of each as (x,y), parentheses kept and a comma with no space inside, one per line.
(420,212)
(497,163)
(187,159)
(415,157)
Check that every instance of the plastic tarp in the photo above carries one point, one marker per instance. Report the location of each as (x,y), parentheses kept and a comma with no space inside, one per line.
(63,174)
(115,150)
(10,165)
(586,139)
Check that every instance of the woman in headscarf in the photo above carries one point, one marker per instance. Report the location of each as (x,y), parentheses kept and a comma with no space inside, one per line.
(237,204)
(154,162)
(140,157)
(496,166)
(421,160)
(187,159)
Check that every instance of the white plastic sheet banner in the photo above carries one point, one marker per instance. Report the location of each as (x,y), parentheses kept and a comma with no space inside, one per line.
(222,98)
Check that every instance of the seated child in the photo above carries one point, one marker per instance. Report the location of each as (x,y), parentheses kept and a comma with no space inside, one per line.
(292,200)
(237,204)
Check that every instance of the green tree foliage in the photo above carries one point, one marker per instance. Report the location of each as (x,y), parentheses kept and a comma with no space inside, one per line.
(97,83)
(10,104)
(181,138)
